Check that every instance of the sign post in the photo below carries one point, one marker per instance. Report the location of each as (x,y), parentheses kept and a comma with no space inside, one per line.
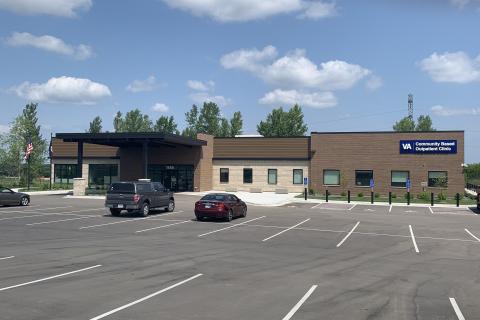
(408,184)
(305,183)
(372,185)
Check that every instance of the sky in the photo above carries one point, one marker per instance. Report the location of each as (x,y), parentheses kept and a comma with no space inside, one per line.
(350,64)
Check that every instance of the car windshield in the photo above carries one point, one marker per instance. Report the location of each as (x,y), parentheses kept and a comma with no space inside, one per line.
(214,197)
(122,188)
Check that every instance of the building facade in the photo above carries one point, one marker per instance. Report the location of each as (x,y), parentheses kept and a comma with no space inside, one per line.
(337,162)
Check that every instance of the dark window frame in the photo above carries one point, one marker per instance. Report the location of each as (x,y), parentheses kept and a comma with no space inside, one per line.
(251,175)
(391,178)
(339,177)
(276,176)
(363,186)
(293,176)
(437,186)
(64,174)
(228,175)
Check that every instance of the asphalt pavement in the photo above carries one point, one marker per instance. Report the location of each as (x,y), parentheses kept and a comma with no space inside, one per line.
(69,259)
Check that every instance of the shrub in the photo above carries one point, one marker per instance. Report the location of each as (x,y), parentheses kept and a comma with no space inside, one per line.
(311,191)
(423,195)
(377,195)
(343,194)
(394,195)
(360,195)
(441,196)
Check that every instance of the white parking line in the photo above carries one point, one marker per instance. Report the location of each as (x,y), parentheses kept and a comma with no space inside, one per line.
(350,209)
(290,228)
(55,221)
(431,210)
(106,314)
(348,235)
(413,239)
(165,226)
(300,303)
(390,209)
(49,278)
(34,210)
(315,206)
(6,208)
(458,312)
(124,221)
(232,226)
(67,213)
(5,258)
(473,236)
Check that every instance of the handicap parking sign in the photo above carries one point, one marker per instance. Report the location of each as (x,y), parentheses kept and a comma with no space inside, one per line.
(372,183)
(408,184)
(305,181)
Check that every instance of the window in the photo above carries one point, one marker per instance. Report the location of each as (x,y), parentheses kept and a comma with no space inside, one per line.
(144,187)
(64,173)
(272,176)
(297,176)
(224,175)
(247,175)
(399,178)
(122,188)
(100,176)
(363,177)
(214,197)
(437,179)
(331,177)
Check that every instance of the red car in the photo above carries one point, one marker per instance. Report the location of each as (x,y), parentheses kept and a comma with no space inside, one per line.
(220,206)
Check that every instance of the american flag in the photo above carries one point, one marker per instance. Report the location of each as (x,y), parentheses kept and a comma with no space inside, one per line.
(28,150)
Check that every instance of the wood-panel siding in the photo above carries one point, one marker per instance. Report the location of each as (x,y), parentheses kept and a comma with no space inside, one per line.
(380,152)
(261,148)
(69,150)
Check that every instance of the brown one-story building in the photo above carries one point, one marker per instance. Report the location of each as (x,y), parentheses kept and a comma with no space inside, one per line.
(337,161)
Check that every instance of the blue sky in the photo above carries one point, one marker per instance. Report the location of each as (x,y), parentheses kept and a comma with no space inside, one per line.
(349,64)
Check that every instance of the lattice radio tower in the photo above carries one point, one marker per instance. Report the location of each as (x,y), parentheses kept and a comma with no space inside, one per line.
(410,106)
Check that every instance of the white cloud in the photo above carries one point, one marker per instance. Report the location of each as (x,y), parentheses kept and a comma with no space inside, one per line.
(448,112)
(246,10)
(457,67)
(148,84)
(63,8)
(160,107)
(319,10)
(63,89)
(200,86)
(460,4)
(4,128)
(374,82)
(201,97)
(319,100)
(49,43)
(294,70)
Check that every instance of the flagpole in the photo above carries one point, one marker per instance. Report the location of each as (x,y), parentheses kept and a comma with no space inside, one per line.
(28,173)
(50,154)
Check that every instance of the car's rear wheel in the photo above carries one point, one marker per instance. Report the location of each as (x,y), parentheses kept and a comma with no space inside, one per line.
(24,201)
(171,206)
(229,215)
(115,212)
(145,209)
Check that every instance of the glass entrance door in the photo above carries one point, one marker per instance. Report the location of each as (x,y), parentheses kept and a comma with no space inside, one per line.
(175,178)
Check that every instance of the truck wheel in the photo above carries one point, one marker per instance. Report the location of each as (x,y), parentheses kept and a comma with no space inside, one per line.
(115,212)
(145,209)
(171,206)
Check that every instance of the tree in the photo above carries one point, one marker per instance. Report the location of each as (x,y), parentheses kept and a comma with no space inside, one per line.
(166,125)
(191,118)
(210,121)
(236,124)
(280,123)
(424,123)
(406,124)
(134,121)
(95,125)
(24,128)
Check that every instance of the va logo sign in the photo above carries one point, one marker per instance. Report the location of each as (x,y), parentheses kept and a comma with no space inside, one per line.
(407,146)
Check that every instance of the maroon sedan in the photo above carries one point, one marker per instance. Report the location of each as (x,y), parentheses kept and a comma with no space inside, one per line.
(220,206)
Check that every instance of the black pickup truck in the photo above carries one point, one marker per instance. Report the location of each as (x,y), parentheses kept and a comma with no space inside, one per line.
(138,196)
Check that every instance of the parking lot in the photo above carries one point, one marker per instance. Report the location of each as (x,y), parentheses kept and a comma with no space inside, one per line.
(69,259)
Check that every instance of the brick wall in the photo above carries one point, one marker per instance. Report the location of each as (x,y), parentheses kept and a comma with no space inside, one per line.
(203,169)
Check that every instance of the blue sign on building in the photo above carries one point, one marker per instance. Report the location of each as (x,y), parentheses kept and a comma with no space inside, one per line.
(428,146)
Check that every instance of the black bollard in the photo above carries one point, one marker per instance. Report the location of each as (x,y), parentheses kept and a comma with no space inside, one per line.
(408,198)
(326,195)
(432,199)
(348,196)
(390,197)
(457,197)
(305,193)
(371,197)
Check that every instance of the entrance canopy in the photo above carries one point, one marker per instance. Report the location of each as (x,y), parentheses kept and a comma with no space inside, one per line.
(145,140)
(125,139)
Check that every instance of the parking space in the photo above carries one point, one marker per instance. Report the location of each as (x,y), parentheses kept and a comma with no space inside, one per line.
(335,261)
